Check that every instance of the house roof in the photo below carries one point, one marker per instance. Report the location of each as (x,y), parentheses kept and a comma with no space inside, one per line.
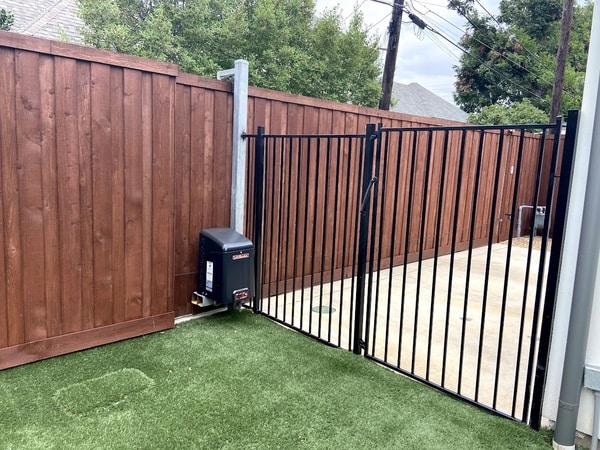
(416,100)
(49,19)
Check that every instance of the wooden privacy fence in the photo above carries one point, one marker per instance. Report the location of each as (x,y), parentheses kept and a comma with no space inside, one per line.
(110,165)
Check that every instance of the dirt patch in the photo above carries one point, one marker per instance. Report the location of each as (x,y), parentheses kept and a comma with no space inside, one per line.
(523,241)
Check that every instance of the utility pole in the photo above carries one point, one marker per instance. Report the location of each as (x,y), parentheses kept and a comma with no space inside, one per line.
(561,58)
(387,81)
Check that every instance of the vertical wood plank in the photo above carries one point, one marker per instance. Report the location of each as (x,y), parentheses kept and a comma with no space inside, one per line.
(84,137)
(68,193)
(11,317)
(163,89)
(102,194)
(208,187)
(147,114)
(29,171)
(222,159)
(53,294)
(183,237)
(134,195)
(118,193)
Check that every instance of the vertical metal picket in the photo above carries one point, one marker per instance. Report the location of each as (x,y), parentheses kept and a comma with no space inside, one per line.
(258,215)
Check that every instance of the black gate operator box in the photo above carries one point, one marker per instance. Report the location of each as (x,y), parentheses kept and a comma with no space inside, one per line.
(225,266)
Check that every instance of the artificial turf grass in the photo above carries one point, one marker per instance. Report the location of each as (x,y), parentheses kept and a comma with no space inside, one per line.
(104,391)
(240,381)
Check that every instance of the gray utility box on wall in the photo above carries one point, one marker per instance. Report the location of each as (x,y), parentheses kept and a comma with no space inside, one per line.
(225,266)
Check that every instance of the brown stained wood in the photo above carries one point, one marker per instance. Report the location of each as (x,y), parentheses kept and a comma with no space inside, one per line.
(221,170)
(47,348)
(147,182)
(84,138)
(134,194)
(9,240)
(52,276)
(68,194)
(182,179)
(185,239)
(207,187)
(163,98)
(195,81)
(185,285)
(200,192)
(29,174)
(102,195)
(118,192)
(71,51)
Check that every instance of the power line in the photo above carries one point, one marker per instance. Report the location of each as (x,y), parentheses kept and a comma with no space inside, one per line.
(501,54)
(422,24)
(355,10)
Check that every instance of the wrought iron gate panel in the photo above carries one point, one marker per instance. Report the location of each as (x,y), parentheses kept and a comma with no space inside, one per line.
(400,244)
(307,232)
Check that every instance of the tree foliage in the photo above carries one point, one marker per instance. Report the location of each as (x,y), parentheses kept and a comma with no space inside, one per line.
(288,48)
(6,19)
(512,57)
(518,113)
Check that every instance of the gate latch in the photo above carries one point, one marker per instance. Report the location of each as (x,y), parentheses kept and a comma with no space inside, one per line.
(366,196)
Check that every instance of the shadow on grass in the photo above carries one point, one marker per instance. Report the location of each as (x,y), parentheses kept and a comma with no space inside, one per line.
(237,380)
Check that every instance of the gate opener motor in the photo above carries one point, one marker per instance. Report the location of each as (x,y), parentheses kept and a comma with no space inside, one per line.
(225,268)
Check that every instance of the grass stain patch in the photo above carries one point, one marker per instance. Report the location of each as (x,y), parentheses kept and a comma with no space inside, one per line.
(107,390)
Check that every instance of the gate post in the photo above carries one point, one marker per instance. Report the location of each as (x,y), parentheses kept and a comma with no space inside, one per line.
(259,168)
(367,183)
(562,198)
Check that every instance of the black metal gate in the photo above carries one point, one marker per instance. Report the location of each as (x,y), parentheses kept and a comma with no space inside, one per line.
(401,244)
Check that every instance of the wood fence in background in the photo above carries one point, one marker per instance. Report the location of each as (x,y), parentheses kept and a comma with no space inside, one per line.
(110,165)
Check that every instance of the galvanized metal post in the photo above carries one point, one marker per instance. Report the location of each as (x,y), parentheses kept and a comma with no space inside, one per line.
(238,161)
(367,183)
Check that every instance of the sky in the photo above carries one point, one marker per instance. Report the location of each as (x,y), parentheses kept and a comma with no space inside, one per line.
(423,57)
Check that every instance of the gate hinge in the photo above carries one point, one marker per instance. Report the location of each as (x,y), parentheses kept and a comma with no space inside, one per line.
(362,344)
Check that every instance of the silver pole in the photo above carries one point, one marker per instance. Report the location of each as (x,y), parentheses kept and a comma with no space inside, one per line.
(238,157)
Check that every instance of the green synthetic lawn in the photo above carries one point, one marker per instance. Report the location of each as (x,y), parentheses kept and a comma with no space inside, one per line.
(236,380)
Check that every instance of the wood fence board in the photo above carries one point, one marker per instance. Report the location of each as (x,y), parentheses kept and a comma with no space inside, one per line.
(134,194)
(84,135)
(148,180)
(49,182)
(69,202)
(29,171)
(118,193)
(207,186)
(182,179)
(163,89)
(102,198)
(8,146)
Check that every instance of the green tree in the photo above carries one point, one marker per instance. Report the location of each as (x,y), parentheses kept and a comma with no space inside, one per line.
(6,19)
(522,112)
(288,47)
(512,57)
